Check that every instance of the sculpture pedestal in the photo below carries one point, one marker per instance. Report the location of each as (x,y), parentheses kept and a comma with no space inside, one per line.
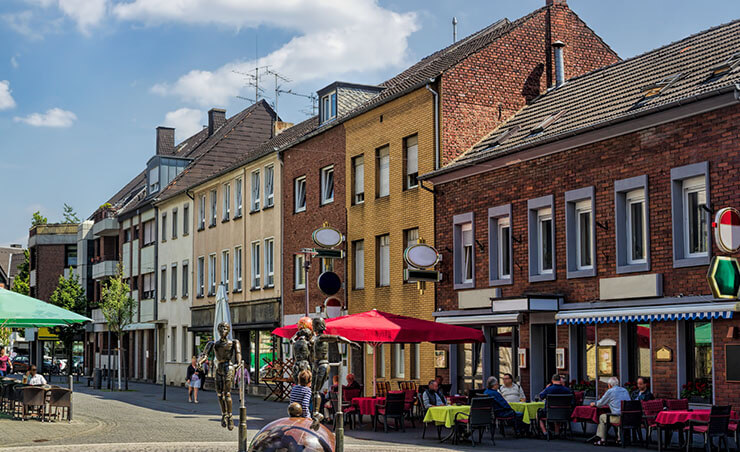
(292,433)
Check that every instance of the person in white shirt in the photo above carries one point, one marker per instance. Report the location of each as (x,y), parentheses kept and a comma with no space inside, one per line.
(511,391)
(34,379)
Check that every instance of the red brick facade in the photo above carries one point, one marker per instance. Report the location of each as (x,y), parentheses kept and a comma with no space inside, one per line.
(49,267)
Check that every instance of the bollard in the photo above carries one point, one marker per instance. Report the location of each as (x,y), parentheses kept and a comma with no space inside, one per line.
(71,383)
(96,378)
(71,389)
(164,387)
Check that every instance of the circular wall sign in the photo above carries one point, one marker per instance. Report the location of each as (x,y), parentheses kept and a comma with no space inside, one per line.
(421,255)
(333,307)
(727,229)
(327,237)
(329,283)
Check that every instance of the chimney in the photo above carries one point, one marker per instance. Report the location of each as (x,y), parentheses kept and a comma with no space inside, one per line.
(556,2)
(454,30)
(165,140)
(216,118)
(280,127)
(559,66)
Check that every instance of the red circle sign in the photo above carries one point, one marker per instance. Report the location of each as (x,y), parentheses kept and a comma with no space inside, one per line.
(727,230)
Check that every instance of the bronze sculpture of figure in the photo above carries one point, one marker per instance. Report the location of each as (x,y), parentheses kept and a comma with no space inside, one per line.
(226,351)
(302,347)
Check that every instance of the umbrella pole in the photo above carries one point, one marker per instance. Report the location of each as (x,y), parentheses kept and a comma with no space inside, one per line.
(375,367)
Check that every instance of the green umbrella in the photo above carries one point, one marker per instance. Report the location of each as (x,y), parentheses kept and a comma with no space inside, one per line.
(20,311)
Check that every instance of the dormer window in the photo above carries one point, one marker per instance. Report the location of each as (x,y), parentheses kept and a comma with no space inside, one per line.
(154,180)
(328,107)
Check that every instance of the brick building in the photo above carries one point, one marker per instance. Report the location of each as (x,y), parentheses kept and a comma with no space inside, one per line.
(578,234)
(52,252)
(11,257)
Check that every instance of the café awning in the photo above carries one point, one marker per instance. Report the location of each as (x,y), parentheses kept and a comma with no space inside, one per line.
(694,311)
(21,311)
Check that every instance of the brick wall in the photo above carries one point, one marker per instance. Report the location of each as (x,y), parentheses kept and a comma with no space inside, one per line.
(663,334)
(725,393)
(49,267)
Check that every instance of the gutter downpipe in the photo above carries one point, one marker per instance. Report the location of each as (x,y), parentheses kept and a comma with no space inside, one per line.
(436,123)
(281,159)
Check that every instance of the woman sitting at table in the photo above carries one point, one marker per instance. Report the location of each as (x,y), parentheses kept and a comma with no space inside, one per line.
(32,378)
(432,396)
(351,382)
(612,398)
(511,391)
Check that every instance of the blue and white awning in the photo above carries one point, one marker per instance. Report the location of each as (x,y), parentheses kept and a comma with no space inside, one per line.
(698,311)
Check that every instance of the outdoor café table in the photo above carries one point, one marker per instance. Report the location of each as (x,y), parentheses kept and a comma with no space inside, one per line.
(457,399)
(587,414)
(528,409)
(445,415)
(677,419)
(366,405)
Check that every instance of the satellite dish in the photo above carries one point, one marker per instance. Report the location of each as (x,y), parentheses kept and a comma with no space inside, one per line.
(329,283)
(421,255)
(327,237)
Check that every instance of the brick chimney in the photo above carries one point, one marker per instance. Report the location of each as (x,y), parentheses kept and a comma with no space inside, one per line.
(165,140)
(556,2)
(216,118)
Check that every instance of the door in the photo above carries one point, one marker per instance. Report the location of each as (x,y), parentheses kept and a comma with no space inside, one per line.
(503,355)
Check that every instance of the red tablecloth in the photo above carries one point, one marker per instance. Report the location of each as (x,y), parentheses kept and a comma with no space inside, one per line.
(683,417)
(586,413)
(458,399)
(366,405)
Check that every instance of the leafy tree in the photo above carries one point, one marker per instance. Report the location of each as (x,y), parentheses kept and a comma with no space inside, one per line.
(69,295)
(70,216)
(38,219)
(22,281)
(118,309)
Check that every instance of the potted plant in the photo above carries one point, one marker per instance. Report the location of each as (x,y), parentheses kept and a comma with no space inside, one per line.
(699,391)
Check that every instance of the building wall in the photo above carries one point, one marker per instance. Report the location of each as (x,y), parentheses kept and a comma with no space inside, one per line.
(49,267)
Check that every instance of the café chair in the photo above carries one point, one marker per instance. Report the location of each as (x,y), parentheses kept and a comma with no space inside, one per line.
(504,421)
(578,397)
(717,427)
(393,408)
(382,388)
(650,411)
(480,419)
(348,409)
(630,421)
(33,398)
(558,410)
(60,398)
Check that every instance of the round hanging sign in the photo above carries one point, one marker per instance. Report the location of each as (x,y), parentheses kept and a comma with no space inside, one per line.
(421,255)
(727,229)
(329,283)
(327,237)
(333,307)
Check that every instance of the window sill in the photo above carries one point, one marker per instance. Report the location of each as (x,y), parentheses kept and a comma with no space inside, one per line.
(378,198)
(362,203)
(211,226)
(174,237)
(415,187)
(255,289)
(297,289)
(633,268)
(692,261)
(199,297)
(501,282)
(542,277)
(163,300)
(236,291)
(237,216)
(358,288)
(201,228)
(173,298)
(224,220)
(466,285)
(322,204)
(299,211)
(269,286)
(585,273)
(268,207)
(253,211)
(184,296)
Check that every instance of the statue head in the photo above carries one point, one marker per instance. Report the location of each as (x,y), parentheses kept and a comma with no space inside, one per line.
(295,410)
(305,323)
(319,325)
(223,329)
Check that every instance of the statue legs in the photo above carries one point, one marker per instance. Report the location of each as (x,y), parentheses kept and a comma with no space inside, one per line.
(320,376)
(223,387)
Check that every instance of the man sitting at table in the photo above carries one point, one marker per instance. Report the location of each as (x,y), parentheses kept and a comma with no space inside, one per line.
(612,398)
(32,378)
(432,396)
(556,386)
(511,391)
(642,393)
(501,408)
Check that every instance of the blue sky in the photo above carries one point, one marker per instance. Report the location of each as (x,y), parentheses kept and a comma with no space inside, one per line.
(84,83)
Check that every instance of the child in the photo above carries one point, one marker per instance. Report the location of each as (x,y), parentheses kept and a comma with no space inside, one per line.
(301,393)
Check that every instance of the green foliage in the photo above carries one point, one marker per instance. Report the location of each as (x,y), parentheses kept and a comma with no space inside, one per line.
(70,216)
(22,281)
(117,305)
(69,295)
(38,219)
(106,206)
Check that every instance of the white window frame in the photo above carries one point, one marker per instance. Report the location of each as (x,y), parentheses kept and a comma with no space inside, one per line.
(202,218)
(579,201)
(581,208)
(462,223)
(173,281)
(503,229)
(499,217)
(201,276)
(468,267)
(269,186)
(255,264)
(214,207)
(358,179)
(329,106)
(225,263)
(544,215)
(226,207)
(299,276)
(358,255)
(690,186)
(255,185)
(692,177)
(238,197)
(540,210)
(297,184)
(185,270)
(411,159)
(399,360)
(212,274)
(384,260)
(269,262)
(327,185)
(634,197)
(415,361)
(383,165)
(238,269)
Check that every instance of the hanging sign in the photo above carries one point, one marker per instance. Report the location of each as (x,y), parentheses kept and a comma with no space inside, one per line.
(724,277)
(333,307)
(327,237)
(421,255)
(329,283)
(727,230)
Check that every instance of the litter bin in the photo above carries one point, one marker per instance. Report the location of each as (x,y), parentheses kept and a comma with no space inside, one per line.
(96,379)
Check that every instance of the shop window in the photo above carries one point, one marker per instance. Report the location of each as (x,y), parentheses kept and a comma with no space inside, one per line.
(584,349)
(398,360)
(463,251)
(580,233)
(631,224)
(698,388)
(690,219)
(638,335)
(541,225)
(499,245)
(469,367)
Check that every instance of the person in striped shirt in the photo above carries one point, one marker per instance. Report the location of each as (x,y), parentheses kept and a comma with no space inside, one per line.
(301,393)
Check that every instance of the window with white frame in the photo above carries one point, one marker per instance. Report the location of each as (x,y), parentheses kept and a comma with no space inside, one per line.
(299,276)
(214,204)
(584,252)
(691,216)
(631,225)
(174,223)
(398,360)
(541,231)
(149,232)
(411,162)
(212,274)
(544,240)
(463,237)
(200,276)
(328,107)
(358,252)
(415,361)
(504,255)
(269,186)
(255,190)
(225,259)
(163,284)
(202,213)
(164,227)
(238,203)
(383,260)
(695,226)
(636,227)
(255,265)
(238,269)
(410,238)
(269,262)
(299,194)
(580,233)
(327,184)
(358,179)
(185,278)
(149,286)
(382,178)
(186,219)
(226,208)
(173,281)
(467,252)
(499,245)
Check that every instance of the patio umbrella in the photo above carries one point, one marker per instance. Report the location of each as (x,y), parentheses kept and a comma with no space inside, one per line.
(21,311)
(377,327)
(222,313)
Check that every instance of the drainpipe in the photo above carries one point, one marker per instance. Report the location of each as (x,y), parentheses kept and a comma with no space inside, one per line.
(281,159)
(436,123)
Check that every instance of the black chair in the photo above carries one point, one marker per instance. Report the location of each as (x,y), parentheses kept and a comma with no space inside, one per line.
(630,420)
(558,410)
(392,409)
(480,419)
(717,427)
(348,410)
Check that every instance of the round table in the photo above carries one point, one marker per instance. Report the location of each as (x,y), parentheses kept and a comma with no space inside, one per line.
(528,409)
(445,414)
(366,405)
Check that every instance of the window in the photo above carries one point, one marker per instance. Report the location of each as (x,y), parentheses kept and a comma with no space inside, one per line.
(327,185)
(238,198)
(631,224)
(499,245)
(226,207)
(326,265)
(328,107)
(300,194)
(212,275)
(384,261)
(225,269)
(238,269)
(164,227)
(154,179)
(255,265)
(691,222)
(148,282)
(411,161)
(410,238)
(638,336)
(202,214)
(70,256)
(269,186)
(163,284)
(358,179)
(174,223)
(415,361)
(398,358)
(380,361)
(358,256)
(382,174)
(126,235)
(185,278)
(541,231)
(699,353)
(200,279)
(580,232)
(186,219)
(269,262)
(463,251)
(149,232)
(299,276)
(173,281)
(255,191)
(173,344)
(185,343)
(214,200)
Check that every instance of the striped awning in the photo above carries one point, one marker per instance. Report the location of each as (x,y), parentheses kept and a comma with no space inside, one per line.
(698,311)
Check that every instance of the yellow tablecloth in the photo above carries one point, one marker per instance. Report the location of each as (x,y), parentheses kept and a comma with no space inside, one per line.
(445,415)
(529,410)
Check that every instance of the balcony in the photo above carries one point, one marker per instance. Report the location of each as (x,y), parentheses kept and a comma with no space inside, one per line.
(106,227)
(104,269)
(147,311)
(97,316)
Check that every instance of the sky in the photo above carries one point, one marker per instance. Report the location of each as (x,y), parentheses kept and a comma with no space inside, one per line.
(84,83)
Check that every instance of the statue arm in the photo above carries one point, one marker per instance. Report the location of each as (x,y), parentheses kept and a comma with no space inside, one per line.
(204,355)
(342,339)
(238,350)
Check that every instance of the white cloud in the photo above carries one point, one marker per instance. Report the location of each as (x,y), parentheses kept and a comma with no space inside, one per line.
(21,23)
(54,117)
(332,38)
(6,99)
(86,13)
(14,61)
(186,121)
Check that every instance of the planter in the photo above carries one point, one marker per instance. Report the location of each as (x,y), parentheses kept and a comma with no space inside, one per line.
(699,400)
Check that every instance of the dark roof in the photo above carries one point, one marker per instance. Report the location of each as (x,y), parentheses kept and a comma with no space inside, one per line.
(13,255)
(615,93)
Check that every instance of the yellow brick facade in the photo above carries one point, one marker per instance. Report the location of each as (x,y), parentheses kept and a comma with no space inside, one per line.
(390,124)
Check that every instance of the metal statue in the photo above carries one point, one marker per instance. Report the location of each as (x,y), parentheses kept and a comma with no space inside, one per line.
(302,347)
(228,356)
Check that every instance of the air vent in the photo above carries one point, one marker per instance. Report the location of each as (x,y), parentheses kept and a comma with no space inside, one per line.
(550,120)
(654,89)
(504,137)
(726,66)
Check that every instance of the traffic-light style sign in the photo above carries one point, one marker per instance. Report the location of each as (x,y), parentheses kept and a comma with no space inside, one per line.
(327,253)
(415,275)
(727,230)
(329,283)
(724,277)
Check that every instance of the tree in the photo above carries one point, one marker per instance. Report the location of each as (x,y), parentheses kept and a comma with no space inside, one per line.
(69,295)
(38,219)
(22,280)
(118,309)
(70,216)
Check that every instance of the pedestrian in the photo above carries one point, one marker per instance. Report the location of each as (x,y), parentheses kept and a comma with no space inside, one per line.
(5,363)
(194,378)
(301,393)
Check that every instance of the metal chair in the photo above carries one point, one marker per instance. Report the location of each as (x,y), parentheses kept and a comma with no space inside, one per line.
(480,419)
(392,409)
(717,427)
(558,410)
(630,420)
(60,398)
(347,408)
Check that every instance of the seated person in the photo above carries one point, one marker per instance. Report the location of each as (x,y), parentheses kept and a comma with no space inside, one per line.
(556,386)
(432,396)
(334,383)
(32,378)
(642,392)
(352,383)
(501,408)
(511,391)
(612,398)
(440,381)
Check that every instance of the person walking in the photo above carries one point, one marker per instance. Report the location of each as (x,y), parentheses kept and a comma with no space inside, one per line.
(193,380)
(5,363)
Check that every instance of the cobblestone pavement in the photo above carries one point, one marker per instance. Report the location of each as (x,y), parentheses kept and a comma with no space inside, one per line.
(139,420)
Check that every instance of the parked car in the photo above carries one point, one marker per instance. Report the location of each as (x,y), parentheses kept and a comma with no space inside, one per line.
(21,364)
